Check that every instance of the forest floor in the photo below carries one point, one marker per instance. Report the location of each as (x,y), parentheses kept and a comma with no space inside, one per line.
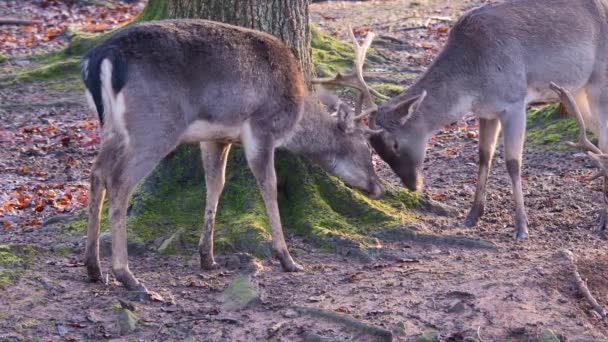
(517,292)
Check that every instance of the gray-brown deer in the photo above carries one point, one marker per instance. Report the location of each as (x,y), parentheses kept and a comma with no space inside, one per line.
(497,60)
(157,85)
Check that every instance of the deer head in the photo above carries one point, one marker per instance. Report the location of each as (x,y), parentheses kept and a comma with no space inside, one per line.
(350,165)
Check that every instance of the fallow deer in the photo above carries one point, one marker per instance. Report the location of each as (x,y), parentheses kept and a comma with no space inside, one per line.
(157,85)
(498,59)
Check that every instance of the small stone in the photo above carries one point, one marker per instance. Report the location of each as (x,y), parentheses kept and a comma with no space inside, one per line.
(241,293)
(316,299)
(429,336)
(173,244)
(548,335)
(290,313)
(456,307)
(127,321)
(62,330)
(134,247)
(471,134)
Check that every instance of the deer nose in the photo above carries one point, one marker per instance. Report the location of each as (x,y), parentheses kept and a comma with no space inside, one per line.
(376,192)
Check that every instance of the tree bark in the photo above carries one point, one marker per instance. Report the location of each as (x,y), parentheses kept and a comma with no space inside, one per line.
(285,19)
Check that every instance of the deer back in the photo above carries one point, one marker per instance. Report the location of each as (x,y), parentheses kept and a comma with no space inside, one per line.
(176,72)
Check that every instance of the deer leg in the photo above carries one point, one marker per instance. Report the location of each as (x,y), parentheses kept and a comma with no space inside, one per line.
(514,124)
(96,196)
(260,157)
(127,170)
(214,157)
(488,134)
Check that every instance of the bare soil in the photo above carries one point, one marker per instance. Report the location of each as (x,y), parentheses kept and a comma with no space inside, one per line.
(510,294)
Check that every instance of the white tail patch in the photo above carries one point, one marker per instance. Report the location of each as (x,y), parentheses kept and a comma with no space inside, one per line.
(113,104)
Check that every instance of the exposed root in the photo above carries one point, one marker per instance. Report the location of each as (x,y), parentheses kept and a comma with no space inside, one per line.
(580,284)
(382,334)
(405,234)
(13,21)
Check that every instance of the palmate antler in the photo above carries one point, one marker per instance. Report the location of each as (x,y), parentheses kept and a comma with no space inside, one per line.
(584,143)
(355,79)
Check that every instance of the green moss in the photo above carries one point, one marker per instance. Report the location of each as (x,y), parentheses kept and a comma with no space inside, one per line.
(329,55)
(548,131)
(154,10)
(388,89)
(51,71)
(3,58)
(312,204)
(13,260)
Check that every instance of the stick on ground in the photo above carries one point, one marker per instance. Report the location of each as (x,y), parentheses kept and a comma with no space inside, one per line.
(580,284)
(14,21)
(382,334)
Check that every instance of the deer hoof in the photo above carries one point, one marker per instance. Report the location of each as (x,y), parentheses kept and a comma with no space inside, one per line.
(521,234)
(471,220)
(94,272)
(287,262)
(293,267)
(209,265)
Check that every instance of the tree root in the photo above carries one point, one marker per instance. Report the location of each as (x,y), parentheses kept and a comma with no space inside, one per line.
(580,284)
(14,21)
(382,334)
(405,234)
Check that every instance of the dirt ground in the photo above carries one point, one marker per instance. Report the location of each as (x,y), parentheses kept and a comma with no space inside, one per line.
(513,293)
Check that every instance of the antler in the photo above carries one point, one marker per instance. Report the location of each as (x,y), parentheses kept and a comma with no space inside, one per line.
(568,101)
(355,78)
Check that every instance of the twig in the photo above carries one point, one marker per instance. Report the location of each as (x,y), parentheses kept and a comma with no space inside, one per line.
(14,21)
(580,284)
(382,334)
(206,318)
(411,28)
(479,335)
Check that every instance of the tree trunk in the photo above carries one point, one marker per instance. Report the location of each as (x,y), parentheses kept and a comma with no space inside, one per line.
(285,19)
(312,203)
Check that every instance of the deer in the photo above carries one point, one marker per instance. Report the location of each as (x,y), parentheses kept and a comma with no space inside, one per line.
(498,59)
(157,85)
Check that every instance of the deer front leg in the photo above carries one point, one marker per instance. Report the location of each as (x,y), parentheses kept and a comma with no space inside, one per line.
(96,196)
(214,157)
(488,134)
(514,123)
(260,157)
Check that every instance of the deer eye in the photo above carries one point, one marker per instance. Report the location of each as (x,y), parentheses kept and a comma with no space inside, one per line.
(395,146)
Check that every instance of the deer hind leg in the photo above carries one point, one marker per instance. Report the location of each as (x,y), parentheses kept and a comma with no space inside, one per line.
(597,98)
(260,157)
(129,166)
(488,134)
(215,156)
(96,195)
(514,125)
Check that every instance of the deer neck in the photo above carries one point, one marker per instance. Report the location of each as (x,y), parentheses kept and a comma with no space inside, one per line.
(313,133)
(448,100)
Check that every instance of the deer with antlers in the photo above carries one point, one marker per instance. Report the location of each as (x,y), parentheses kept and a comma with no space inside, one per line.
(157,85)
(498,59)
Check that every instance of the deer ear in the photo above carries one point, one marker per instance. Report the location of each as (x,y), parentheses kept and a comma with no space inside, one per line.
(346,118)
(408,107)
